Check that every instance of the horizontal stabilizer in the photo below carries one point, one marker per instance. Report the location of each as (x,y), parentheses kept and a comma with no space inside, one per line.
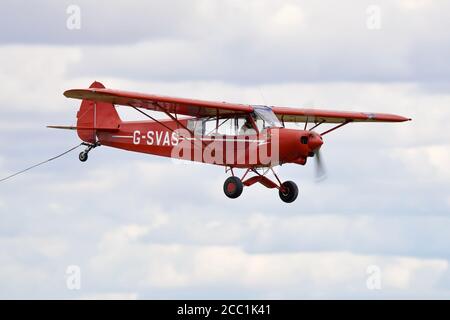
(84,128)
(63,127)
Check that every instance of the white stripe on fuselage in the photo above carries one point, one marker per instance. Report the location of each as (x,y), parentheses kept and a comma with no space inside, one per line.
(204,139)
(121,136)
(221,139)
(260,142)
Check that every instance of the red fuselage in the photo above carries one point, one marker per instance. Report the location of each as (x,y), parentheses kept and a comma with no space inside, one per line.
(272,146)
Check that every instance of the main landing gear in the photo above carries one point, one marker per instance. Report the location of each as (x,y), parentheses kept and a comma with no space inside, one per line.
(288,191)
(233,186)
(83,156)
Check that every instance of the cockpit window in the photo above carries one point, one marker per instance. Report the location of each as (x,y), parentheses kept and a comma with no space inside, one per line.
(239,124)
(269,118)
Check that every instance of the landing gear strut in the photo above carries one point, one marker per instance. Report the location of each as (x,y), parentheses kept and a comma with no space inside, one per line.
(83,156)
(233,186)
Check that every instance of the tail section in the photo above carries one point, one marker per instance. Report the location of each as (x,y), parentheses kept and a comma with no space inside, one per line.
(94,116)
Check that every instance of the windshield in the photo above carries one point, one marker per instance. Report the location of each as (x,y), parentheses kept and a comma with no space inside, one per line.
(266,114)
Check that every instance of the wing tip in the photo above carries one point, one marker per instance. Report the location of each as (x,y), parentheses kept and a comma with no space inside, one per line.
(403,119)
(386,117)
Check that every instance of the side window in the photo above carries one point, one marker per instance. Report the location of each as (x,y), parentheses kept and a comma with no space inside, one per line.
(196,126)
(244,126)
(231,126)
(210,127)
(239,125)
(260,124)
(225,126)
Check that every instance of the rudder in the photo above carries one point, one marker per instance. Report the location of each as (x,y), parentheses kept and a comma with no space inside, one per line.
(94,116)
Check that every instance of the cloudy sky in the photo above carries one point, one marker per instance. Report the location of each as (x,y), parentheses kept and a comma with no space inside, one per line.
(138,226)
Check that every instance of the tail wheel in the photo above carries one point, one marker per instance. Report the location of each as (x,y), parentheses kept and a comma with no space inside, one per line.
(288,192)
(83,156)
(233,187)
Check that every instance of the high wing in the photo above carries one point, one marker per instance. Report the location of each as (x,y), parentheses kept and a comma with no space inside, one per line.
(201,108)
(327,116)
(179,106)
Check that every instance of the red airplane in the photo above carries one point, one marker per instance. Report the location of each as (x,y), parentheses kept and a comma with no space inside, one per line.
(236,136)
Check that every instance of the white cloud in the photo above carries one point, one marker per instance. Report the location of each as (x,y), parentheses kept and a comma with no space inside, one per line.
(272,42)
(130,232)
(415,4)
(413,274)
(32,77)
(24,276)
(251,42)
(47,246)
(288,275)
(430,162)
(111,296)
(95,181)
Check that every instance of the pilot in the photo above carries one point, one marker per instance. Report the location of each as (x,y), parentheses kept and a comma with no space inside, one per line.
(247,128)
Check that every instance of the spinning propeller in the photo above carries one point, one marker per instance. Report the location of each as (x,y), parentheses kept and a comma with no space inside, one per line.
(321,173)
(315,143)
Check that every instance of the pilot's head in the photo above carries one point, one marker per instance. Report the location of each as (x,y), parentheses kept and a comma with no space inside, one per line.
(248,124)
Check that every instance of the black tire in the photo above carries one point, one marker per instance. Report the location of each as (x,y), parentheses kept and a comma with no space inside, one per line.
(290,192)
(233,187)
(83,156)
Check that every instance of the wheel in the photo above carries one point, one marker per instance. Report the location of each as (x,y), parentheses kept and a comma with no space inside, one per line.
(83,156)
(289,191)
(233,187)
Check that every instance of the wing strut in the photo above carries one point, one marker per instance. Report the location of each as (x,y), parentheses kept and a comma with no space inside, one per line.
(317,124)
(336,127)
(149,116)
(176,120)
(171,117)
